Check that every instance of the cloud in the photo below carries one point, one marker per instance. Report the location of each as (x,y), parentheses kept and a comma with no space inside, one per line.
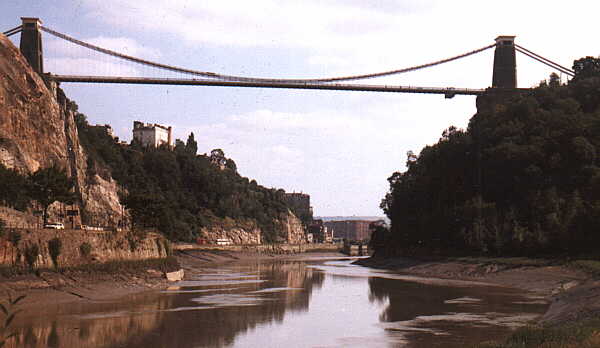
(66,58)
(348,37)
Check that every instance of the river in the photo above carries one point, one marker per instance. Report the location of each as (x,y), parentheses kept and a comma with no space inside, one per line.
(310,303)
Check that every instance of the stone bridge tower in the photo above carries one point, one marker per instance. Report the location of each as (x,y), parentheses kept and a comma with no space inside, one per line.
(31,43)
(505,63)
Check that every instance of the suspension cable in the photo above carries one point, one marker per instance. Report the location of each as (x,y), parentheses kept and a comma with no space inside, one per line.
(545,59)
(255,79)
(13,31)
(556,67)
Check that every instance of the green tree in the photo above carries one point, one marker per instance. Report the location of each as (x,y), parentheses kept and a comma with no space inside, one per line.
(586,67)
(49,185)
(217,157)
(191,146)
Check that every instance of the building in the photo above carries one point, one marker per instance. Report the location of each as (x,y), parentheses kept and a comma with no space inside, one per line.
(320,233)
(300,205)
(352,230)
(152,135)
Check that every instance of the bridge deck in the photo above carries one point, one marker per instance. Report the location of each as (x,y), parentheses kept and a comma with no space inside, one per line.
(448,92)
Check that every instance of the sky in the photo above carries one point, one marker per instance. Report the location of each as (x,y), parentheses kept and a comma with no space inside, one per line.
(338,146)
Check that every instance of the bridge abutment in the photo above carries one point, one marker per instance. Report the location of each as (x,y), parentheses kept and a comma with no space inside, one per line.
(505,63)
(31,43)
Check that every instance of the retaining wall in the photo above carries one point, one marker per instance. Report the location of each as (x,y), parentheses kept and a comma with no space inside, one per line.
(105,246)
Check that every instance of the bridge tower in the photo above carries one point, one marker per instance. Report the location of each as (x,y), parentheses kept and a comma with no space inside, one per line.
(505,63)
(31,43)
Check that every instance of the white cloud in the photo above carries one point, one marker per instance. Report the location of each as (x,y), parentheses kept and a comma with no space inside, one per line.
(65,58)
(356,36)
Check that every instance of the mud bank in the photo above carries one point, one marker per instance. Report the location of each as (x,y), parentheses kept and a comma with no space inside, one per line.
(571,294)
(52,291)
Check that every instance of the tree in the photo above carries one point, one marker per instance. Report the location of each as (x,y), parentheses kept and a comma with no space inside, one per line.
(49,185)
(217,157)
(586,67)
(554,80)
(13,188)
(55,248)
(191,146)
(14,237)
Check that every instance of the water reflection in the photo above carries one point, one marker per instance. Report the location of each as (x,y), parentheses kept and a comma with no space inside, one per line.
(291,304)
(208,311)
(446,316)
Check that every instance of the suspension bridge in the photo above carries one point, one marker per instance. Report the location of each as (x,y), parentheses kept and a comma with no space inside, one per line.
(504,75)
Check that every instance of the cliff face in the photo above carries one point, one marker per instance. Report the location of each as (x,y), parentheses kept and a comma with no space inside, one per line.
(292,227)
(37,129)
(31,124)
(248,233)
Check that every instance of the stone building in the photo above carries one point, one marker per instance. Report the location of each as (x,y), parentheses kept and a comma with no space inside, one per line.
(353,230)
(152,135)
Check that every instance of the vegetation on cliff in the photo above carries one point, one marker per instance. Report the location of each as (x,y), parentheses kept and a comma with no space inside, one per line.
(177,190)
(45,186)
(523,178)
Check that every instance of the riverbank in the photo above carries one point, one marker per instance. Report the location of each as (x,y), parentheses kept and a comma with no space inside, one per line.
(571,289)
(55,290)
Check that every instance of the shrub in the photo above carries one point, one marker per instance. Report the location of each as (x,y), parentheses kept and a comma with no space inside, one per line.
(85,249)
(32,251)
(54,248)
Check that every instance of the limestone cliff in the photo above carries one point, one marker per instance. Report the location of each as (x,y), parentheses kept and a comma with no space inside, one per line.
(37,129)
(247,232)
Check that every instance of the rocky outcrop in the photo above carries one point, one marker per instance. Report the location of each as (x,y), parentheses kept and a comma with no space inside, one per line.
(31,124)
(37,130)
(237,232)
(247,232)
(293,229)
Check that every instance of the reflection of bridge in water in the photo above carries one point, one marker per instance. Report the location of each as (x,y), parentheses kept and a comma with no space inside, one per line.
(504,75)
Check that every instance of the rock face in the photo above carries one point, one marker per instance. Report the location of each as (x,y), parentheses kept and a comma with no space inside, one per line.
(249,233)
(292,227)
(104,246)
(37,130)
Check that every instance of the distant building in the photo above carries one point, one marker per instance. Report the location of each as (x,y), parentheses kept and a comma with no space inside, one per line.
(320,232)
(299,203)
(352,230)
(152,135)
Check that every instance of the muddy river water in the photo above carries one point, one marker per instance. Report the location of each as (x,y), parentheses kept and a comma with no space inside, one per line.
(311,303)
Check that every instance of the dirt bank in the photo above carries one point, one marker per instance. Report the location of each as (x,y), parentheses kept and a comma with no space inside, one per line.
(54,291)
(572,294)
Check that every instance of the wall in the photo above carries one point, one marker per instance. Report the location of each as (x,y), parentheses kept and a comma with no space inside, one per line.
(106,246)
(265,248)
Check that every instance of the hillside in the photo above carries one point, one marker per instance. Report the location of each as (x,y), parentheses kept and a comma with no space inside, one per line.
(183,195)
(523,178)
(37,130)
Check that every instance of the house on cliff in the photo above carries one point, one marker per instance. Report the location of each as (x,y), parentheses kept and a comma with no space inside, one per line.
(152,135)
